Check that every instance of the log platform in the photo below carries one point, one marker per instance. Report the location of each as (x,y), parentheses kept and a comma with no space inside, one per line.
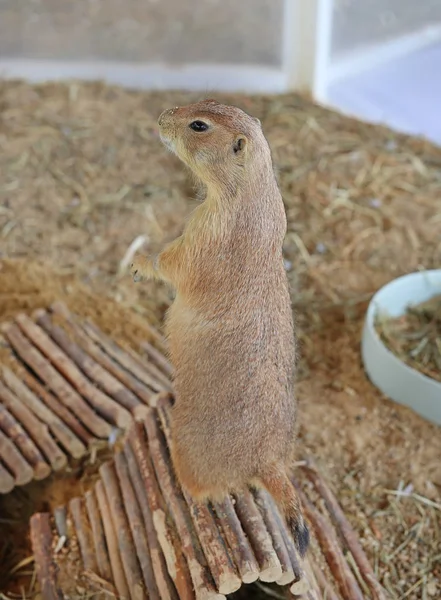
(137,535)
(66,388)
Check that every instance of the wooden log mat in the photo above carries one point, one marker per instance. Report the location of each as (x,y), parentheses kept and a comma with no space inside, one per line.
(67,388)
(137,535)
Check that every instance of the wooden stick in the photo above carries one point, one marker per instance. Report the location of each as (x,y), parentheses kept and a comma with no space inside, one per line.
(119,577)
(346,531)
(7,482)
(136,524)
(13,429)
(41,537)
(263,502)
(124,359)
(58,408)
(328,542)
(325,586)
(51,377)
(128,359)
(171,548)
(221,566)
(56,426)
(74,431)
(159,339)
(150,367)
(15,461)
(222,569)
(83,533)
(158,358)
(307,587)
(201,577)
(163,581)
(92,369)
(103,404)
(126,546)
(237,541)
(260,540)
(287,538)
(37,430)
(127,379)
(99,538)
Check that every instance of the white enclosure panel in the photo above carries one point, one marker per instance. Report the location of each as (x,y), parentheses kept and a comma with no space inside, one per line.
(403,94)
(361,23)
(176,32)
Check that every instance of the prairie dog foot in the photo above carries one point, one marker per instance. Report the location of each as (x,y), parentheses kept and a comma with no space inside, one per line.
(142,268)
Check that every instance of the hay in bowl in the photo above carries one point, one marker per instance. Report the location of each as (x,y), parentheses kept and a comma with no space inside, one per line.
(415,337)
(400,342)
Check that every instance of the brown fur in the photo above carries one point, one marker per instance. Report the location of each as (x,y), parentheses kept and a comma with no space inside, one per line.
(230,327)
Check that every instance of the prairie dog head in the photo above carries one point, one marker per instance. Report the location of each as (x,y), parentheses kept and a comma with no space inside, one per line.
(219,143)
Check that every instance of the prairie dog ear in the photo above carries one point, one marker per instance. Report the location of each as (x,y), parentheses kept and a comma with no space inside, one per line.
(239,145)
(257,121)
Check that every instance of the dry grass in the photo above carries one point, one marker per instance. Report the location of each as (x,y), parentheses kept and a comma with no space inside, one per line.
(83,175)
(415,337)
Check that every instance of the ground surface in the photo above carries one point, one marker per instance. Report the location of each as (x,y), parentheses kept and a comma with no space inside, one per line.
(83,174)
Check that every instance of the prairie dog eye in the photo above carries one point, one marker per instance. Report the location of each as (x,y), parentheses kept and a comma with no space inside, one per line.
(198,126)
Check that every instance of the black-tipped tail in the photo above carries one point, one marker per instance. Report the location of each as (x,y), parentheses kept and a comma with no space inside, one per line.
(300,533)
(279,485)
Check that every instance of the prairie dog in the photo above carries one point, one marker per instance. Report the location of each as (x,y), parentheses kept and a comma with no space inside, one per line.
(230,327)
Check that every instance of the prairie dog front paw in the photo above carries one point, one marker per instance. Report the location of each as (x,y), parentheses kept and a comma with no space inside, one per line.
(139,269)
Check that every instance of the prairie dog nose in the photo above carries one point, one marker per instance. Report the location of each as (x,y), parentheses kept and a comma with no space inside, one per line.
(167,113)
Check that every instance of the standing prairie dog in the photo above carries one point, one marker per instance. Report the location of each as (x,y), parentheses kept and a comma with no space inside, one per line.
(230,327)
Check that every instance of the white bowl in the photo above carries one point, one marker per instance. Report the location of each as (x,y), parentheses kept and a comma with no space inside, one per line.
(392,376)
